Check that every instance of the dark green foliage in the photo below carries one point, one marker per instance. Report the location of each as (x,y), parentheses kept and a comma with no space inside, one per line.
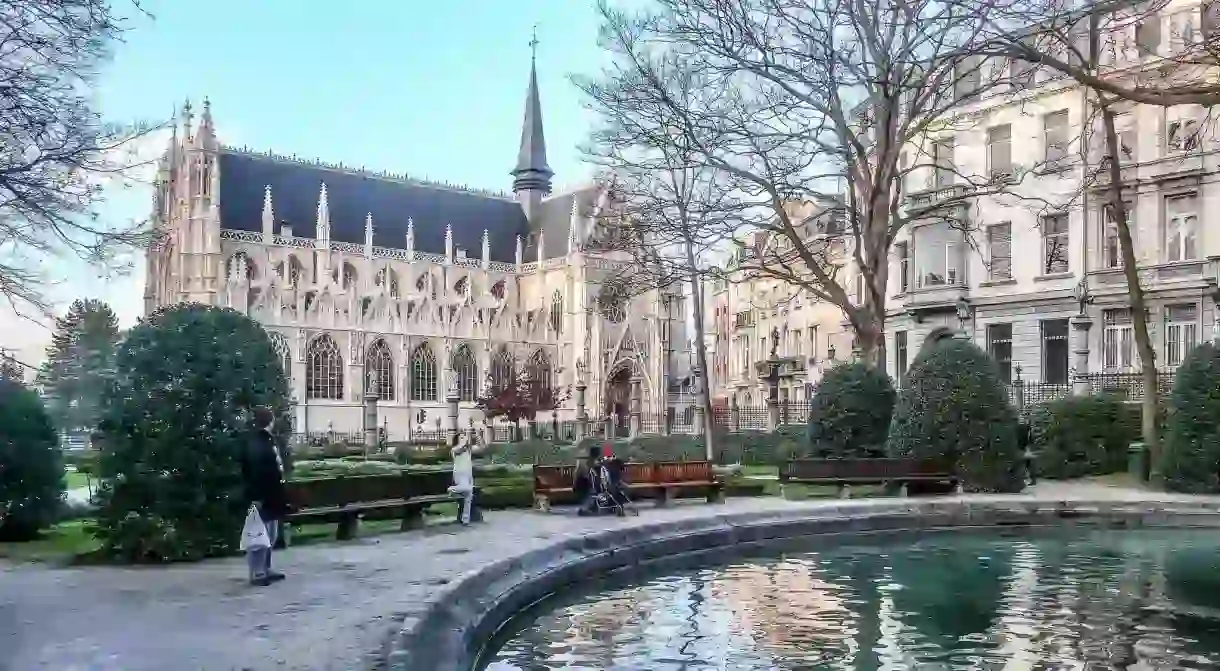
(79,364)
(31,464)
(1083,435)
(953,407)
(1190,458)
(174,426)
(850,413)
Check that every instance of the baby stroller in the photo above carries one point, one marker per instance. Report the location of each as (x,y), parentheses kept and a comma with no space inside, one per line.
(606,489)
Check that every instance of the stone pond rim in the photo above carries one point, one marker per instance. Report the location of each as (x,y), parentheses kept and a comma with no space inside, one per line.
(453,630)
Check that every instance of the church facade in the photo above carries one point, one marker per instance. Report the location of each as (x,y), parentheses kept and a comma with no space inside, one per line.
(414,291)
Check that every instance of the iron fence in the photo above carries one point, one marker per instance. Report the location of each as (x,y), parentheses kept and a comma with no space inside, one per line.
(1128,386)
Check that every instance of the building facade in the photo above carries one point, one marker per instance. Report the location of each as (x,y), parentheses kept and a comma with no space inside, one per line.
(413,291)
(1033,274)
(753,316)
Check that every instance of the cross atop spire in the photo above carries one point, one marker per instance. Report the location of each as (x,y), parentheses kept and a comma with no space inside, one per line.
(534,44)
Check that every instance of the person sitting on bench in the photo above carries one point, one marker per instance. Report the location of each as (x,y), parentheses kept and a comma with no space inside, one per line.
(582,484)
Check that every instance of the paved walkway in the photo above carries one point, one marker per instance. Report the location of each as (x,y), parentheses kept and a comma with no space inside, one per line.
(335,611)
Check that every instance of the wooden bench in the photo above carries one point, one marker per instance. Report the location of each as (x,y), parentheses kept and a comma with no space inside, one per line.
(346,500)
(661,480)
(847,472)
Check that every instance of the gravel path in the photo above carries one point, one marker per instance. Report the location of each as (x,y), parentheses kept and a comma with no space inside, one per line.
(335,611)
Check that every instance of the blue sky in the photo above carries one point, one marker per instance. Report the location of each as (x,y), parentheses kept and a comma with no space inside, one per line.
(435,90)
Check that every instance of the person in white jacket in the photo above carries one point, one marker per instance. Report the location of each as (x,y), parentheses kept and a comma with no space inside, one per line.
(463,472)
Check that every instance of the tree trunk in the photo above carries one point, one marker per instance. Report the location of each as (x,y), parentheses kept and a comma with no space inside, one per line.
(1150,408)
(703,393)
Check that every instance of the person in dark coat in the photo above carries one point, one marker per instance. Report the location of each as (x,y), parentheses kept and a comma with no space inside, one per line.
(263,474)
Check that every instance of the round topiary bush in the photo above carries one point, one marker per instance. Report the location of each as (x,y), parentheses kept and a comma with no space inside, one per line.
(31,464)
(1079,436)
(1190,458)
(850,413)
(175,424)
(954,408)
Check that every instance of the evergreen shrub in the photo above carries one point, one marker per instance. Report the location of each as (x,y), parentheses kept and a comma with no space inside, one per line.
(31,464)
(175,424)
(850,413)
(1190,459)
(954,408)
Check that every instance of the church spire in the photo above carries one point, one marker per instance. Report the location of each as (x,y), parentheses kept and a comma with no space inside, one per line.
(532,174)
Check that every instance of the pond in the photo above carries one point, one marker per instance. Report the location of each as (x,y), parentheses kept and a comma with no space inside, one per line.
(1082,599)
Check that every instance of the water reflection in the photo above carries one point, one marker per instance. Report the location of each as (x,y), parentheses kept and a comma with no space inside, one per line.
(1139,600)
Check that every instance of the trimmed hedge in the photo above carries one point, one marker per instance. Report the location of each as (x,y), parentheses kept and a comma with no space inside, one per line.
(850,413)
(1080,436)
(953,407)
(1190,458)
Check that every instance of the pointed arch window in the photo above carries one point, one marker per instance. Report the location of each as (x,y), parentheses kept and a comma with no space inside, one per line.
(467,373)
(423,374)
(462,287)
(324,369)
(539,369)
(502,372)
(295,271)
(380,363)
(350,278)
(497,290)
(557,313)
(280,344)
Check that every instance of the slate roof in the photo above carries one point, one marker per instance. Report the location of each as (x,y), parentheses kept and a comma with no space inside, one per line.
(351,195)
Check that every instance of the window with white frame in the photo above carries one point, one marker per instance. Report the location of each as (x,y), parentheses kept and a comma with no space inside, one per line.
(1181,130)
(999,251)
(938,255)
(942,161)
(900,356)
(1055,244)
(1055,127)
(1055,351)
(1118,337)
(1181,332)
(743,355)
(1181,227)
(999,150)
(999,344)
(1112,251)
(903,251)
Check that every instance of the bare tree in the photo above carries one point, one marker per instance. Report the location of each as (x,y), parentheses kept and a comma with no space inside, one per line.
(1179,65)
(673,215)
(55,151)
(831,102)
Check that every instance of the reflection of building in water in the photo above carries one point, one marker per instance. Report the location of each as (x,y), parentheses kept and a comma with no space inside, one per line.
(589,629)
(792,607)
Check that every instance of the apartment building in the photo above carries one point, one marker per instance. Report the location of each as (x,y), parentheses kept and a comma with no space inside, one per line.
(751,315)
(1009,270)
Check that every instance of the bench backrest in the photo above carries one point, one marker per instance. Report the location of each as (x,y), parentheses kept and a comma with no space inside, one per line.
(328,492)
(427,483)
(830,469)
(683,471)
(553,477)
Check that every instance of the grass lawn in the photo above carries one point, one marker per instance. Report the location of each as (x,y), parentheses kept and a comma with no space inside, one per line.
(75,479)
(60,543)
(755,471)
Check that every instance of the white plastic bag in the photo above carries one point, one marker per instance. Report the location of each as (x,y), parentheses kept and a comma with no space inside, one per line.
(254,533)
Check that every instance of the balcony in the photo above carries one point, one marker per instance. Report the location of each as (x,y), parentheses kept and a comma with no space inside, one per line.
(936,195)
(789,366)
